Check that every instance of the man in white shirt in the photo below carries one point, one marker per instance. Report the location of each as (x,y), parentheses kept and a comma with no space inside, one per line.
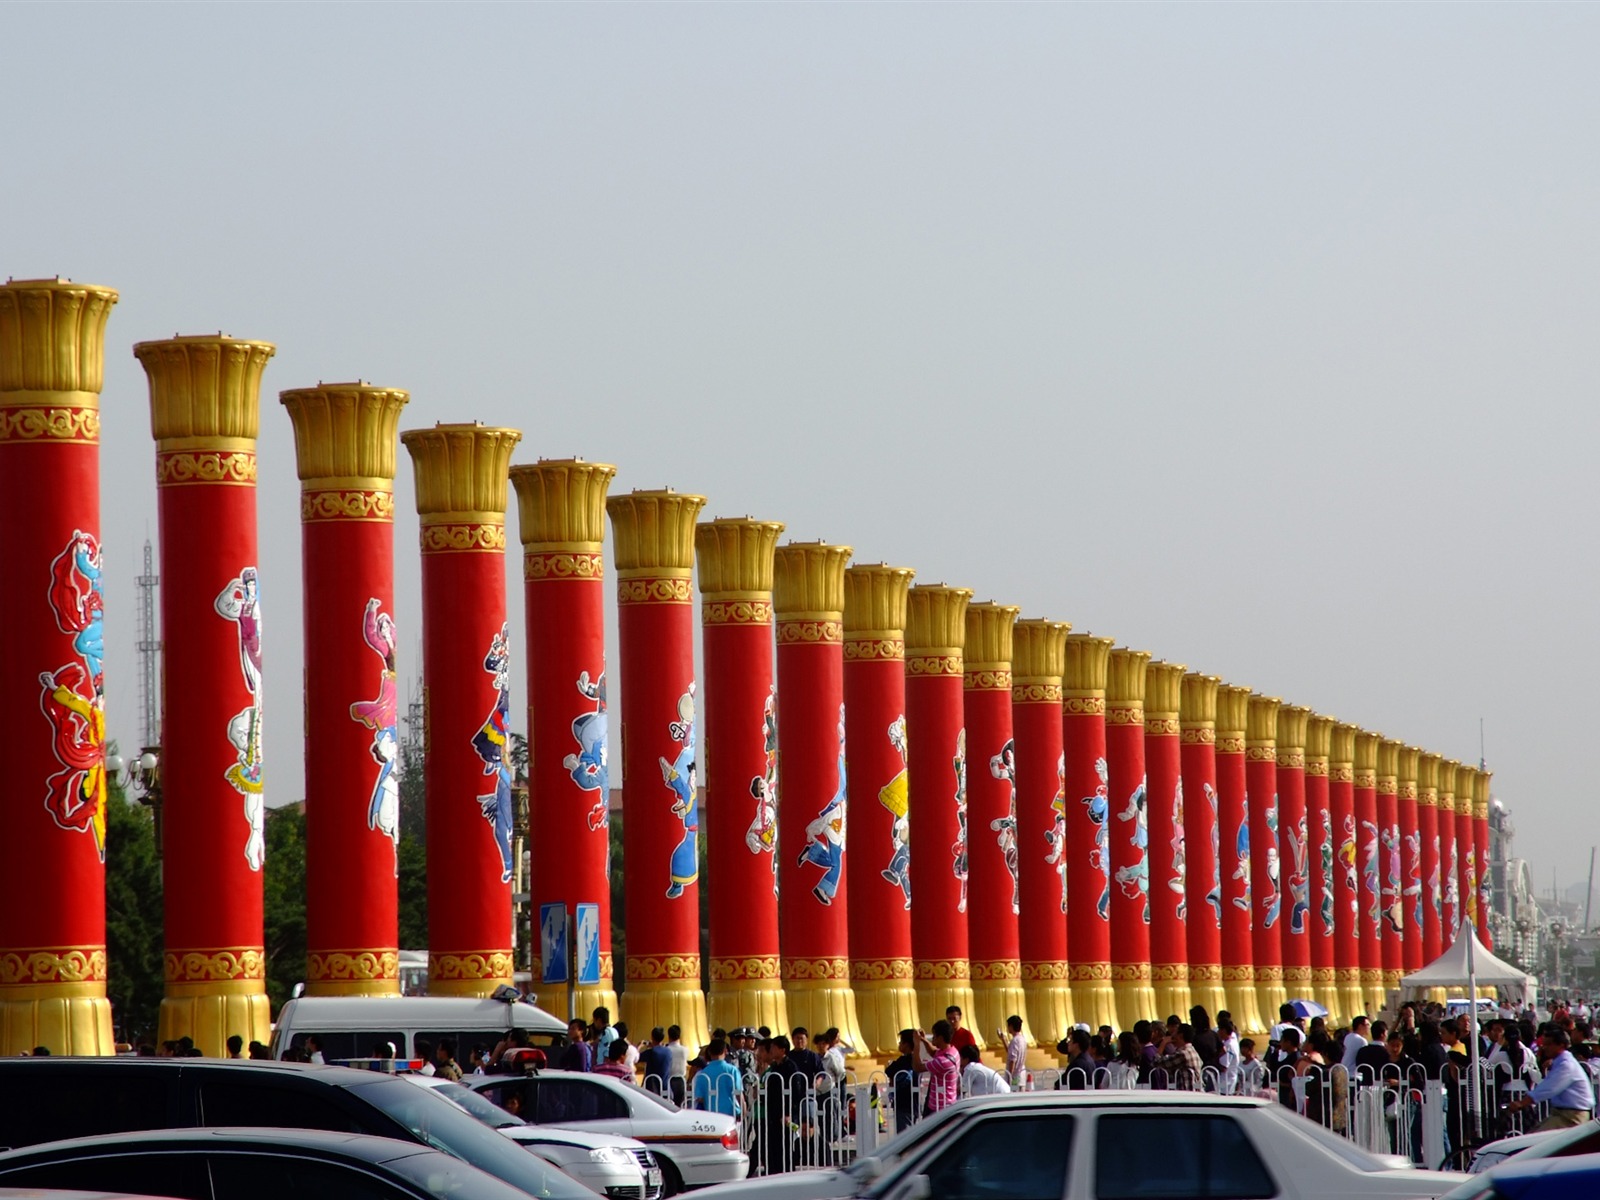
(1016,1054)
(1354,1041)
(979,1080)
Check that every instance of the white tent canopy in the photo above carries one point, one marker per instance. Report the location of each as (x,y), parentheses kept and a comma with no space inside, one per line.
(1466,963)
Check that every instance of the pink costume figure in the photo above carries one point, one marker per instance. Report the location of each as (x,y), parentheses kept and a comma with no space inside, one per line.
(382,716)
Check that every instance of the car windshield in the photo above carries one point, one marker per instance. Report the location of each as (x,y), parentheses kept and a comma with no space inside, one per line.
(1329,1141)
(490,1113)
(450,1179)
(440,1124)
(888,1155)
(649,1095)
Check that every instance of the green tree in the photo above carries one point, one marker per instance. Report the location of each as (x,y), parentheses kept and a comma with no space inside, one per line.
(285,901)
(134,918)
(413,854)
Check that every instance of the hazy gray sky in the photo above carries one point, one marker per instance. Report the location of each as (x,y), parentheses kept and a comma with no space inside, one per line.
(1258,336)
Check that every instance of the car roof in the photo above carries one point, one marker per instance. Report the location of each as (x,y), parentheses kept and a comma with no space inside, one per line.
(363,1146)
(443,1011)
(345,1076)
(1528,1168)
(561,1135)
(1113,1098)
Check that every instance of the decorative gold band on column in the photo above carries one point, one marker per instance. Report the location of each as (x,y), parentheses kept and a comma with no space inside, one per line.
(1083,706)
(1202,736)
(1125,714)
(213,966)
(463,537)
(877,970)
(1291,758)
(828,631)
(655,589)
(1053,971)
(218,467)
(1090,972)
(353,966)
(1269,974)
(745,967)
(947,970)
(988,680)
(1004,970)
(881,645)
(469,965)
(1033,692)
(373,504)
(541,565)
(1230,743)
(23,420)
(1162,725)
(655,967)
(1205,973)
(736,612)
(31,965)
(815,968)
(1130,972)
(1238,974)
(934,664)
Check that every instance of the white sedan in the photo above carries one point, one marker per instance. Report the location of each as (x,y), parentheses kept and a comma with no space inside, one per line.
(1111,1146)
(695,1149)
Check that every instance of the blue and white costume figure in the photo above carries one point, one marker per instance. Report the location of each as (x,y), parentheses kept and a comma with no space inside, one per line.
(492,743)
(382,716)
(1369,876)
(240,602)
(1241,851)
(895,796)
(1414,876)
(1099,808)
(1135,879)
(1325,862)
(680,777)
(825,834)
(1214,896)
(1272,903)
(588,766)
(90,641)
(1299,879)
(1004,766)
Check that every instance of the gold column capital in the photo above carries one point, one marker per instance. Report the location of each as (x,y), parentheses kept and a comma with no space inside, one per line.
(1290,734)
(345,434)
(1428,780)
(1448,770)
(204,387)
(1342,745)
(1319,739)
(1388,768)
(936,619)
(1406,771)
(1261,723)
(1163,690)
(561,503)
(1465,775)
(1039,652)
(988,644)
(654,532)
(808,580)
(462,470)
(1480,797)
(734,556)
(1087,663)
(1233,715)
(1197,701)
(1126,672)
(1366,752)
(53,337)
(875,599)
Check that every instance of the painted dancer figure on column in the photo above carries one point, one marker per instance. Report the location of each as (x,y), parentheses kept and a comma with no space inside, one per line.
(896,797)
(1369,875)
(1004,766)
(1325,858)
(959,849)
(762,836)
(825,834)
(1413,841)
(1214,896)
(1135,879)
(1178,881)
(240,602)
(1435,891)
(1393,907)
(1272,905)
(588,766)
(1241,853)
(1099,809)
(73,695)
(679,776)
(1299,877)
(493,745)
(1056,835)
(382,716)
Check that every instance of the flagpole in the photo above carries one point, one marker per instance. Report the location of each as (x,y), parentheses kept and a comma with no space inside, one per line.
(1472,999)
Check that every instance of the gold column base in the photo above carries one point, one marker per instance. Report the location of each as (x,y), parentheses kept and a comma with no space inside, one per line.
(820,1001)
(1094,1002)
(1297,983)
(1352,1001)
(1136,998)
(664,1002)
(65,1018)
(1173,993)
(1049,1017)
(997,994)
(209,1013)
(1271,994)
(1372,990)
(747,1000)
(1326,993)
(941,984)
(1206,990)
(1244,1006)
(886,1003)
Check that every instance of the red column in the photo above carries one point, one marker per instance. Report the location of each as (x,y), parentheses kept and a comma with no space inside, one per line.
(936,631)
(808,596)
(1480,839)
(561,504)
(1294,837)
(1238,891)
(1346,873)
(1038,658)
(879,872)
(1389,862)
(1411,902)
(461,493)
(1369,849)
(654,534)
(1202,836)
(1169,896)
(345,441)
(1266,884)
(1466,844)
(1088,801)
(205,413)
(1130,839)
(1319,819)
(740,757)
(995,883)
(52,686)
(1428,827)
(1449,854)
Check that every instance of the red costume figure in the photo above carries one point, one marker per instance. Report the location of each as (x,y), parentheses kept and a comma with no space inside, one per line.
(461,473)
(1319,820)
(878,872)
(994,881)
(562,508)
(936,632)
(1294,850)
(1369,852)
(654,535)
(1411,889)
(1428,827)
(1169,865)
(345,443)
(1238,894)
(740,715)
(1480,841)
(1083,740)
(808,599)
(1130,837)
(1466,846)
(1038,658)
(52,682)
(1203,841)
(205,415)
(1266,863)
(1449,856)
(1390,865)
(1347,894)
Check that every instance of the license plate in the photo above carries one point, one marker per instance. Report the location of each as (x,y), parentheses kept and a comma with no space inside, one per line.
(652,1177)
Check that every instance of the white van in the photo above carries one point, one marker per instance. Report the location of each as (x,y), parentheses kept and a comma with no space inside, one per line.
(352,1027)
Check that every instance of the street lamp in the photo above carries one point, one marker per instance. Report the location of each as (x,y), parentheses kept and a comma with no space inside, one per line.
(142,777)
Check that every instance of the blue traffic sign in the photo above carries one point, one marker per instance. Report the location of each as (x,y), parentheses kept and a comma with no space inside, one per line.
(553,945)
(588,944)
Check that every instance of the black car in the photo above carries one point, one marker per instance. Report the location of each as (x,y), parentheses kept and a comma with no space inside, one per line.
(255,1164)
(47,1099)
